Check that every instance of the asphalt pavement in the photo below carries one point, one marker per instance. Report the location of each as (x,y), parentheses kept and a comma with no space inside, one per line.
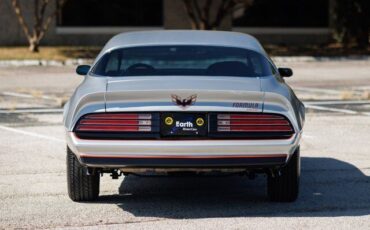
(335,180)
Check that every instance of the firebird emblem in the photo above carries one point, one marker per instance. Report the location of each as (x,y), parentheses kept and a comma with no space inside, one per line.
(184,102)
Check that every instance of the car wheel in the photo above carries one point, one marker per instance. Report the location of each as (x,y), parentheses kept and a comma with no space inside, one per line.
(81,186)
(284,187)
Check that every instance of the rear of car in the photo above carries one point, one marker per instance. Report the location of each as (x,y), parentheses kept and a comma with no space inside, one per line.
(172,107)
(183,139)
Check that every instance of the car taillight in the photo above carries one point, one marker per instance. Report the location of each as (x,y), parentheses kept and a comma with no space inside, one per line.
(115,122)
(122,126)
(249,126)
(252,123)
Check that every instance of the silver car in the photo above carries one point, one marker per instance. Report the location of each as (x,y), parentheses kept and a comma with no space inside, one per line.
(172,102)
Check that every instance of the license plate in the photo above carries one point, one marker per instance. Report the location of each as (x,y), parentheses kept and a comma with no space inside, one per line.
(183,124)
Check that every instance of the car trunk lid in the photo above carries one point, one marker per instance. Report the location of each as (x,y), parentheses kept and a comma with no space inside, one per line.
(184,93)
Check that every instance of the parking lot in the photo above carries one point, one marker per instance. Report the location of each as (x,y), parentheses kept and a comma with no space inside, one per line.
(335,179)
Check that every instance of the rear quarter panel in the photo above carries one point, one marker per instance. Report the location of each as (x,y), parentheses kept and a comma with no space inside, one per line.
(280,98)
(88,97)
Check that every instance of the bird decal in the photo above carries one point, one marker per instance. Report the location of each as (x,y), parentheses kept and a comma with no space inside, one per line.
(184,102)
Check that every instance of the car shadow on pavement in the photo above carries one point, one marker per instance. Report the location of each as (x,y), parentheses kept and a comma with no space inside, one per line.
(329,187)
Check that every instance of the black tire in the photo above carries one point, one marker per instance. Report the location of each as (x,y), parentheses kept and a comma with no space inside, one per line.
(285,187)
(81,187)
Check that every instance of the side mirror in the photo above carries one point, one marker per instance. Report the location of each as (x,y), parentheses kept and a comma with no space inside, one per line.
(82,69)
(285,72)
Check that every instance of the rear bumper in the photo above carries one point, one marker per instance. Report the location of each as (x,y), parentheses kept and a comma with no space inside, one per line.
(182,153)
(179,162)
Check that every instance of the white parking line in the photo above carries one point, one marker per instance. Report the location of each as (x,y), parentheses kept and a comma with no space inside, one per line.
(356,102)
(31,111)
(32,134)
(307,136)
(23,95)
(17,94)
(317,90)
(331,109)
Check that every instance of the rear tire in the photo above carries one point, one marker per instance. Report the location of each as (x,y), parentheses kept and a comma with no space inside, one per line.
(285,187)
(81,187)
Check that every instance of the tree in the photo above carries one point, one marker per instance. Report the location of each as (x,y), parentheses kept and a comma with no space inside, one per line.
(349,22)
(42,18)
(200,15)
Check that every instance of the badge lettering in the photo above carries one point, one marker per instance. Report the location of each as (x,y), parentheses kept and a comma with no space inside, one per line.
(247,105)
(187,124)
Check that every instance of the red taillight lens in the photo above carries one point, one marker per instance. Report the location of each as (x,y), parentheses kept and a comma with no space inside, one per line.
(252,123)
(115,122)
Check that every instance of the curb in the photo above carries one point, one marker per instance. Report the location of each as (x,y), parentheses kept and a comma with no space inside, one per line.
(277,59)
(283,59)
(42,62)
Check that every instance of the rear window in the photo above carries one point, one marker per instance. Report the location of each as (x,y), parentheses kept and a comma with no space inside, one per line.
(184,61)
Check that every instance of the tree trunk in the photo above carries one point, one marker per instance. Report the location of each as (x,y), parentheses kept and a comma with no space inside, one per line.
(34,45)
(205,26)
(199,12)
(349,22)
(338,21)
(41,21)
